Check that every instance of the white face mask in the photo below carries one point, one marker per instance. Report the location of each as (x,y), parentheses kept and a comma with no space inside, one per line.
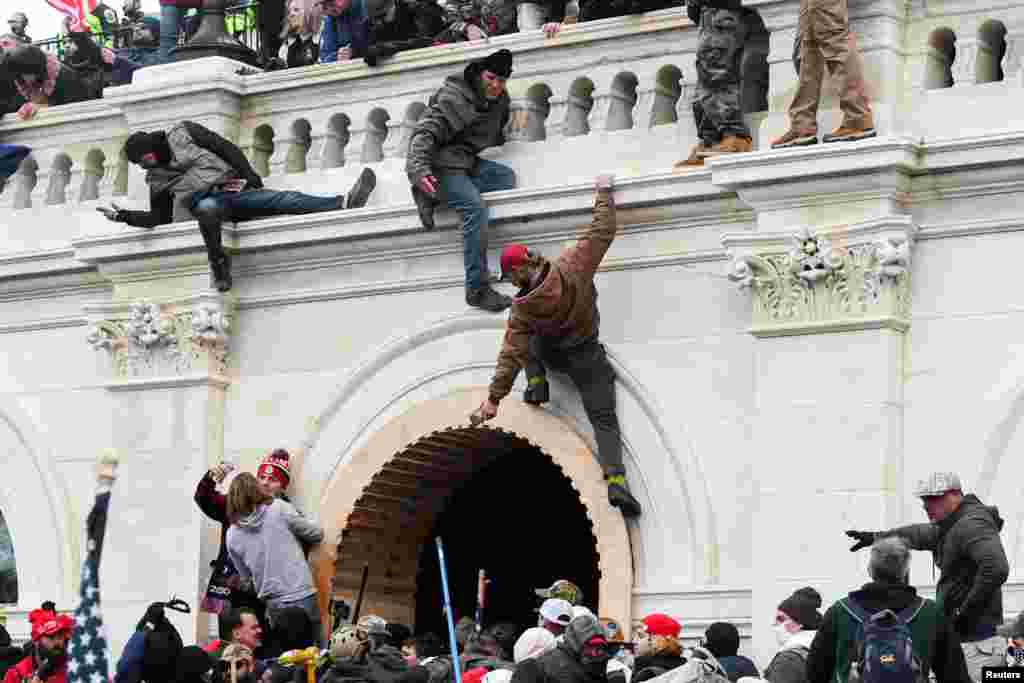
(782,635)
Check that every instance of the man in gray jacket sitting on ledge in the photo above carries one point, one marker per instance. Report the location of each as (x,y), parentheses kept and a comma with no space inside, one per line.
(194,173)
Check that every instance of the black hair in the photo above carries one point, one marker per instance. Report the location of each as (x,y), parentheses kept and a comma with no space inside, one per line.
(231,619)
(428,645)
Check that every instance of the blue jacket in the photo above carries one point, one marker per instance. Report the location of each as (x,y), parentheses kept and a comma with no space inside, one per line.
(350,29)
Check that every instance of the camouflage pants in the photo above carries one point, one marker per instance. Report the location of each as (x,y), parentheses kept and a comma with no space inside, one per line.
(718,108)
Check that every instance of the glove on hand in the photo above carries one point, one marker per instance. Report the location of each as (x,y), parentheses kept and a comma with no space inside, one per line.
(864,539)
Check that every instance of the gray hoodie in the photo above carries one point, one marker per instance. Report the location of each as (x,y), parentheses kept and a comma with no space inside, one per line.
(265,548)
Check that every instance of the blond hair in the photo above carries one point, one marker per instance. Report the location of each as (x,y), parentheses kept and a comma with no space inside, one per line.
(244,496)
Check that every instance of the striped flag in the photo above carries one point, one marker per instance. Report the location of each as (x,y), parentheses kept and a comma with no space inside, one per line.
(87,658)
(73,8)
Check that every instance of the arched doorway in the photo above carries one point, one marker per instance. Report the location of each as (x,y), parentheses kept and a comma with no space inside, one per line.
(383,504)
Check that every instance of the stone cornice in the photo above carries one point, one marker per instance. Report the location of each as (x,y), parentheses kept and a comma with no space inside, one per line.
(147,383)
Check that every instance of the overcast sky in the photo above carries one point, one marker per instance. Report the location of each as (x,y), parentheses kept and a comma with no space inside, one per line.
(44,21)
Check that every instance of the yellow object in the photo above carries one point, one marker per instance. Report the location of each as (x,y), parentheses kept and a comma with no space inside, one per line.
(307,657)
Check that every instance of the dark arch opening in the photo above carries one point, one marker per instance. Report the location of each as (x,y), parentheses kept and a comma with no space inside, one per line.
(498,502)
(520,520)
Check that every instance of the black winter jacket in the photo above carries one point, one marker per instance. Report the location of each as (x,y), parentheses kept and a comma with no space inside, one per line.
(563,664)
(973,568)
(416,24)
(457,126)
(664,663)
(947,659)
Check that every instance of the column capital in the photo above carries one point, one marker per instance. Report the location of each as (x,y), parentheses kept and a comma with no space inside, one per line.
(835,279)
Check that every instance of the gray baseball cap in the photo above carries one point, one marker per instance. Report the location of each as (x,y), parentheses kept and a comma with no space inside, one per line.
(937,484)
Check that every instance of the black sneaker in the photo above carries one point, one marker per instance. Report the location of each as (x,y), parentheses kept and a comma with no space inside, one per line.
(360,192)
(487,299)
(621,498)
(221,273)
(537,393)
(425,206)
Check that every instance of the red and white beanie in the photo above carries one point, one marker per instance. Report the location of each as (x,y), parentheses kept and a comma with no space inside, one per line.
(276,464)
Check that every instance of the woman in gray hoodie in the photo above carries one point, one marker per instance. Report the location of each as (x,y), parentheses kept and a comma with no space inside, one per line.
(265,545)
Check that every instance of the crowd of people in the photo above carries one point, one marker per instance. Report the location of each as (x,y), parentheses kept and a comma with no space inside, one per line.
(271,629)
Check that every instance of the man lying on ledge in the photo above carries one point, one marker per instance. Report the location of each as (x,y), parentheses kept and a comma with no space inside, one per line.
(194,173)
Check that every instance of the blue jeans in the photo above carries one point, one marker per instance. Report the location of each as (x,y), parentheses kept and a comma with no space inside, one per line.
(241,206)
(170,20)
(462,192)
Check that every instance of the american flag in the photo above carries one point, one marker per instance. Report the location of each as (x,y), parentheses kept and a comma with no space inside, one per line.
(73,8)
(87,662)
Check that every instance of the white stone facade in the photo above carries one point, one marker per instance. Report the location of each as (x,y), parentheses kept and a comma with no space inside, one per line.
(798,335)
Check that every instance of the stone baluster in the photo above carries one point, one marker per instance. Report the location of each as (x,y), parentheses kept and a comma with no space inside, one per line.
(298,145)
(644,108)
(374,134)
(1012,58)
(335,142)
(60,177)
(519,116)
(393,140)
(120,179)
(92,174)
(988,66)
(25,183)
(964,67)
(663,105)
(412,115)
(556,117)
(938,68)
(262,149)
(621,102)
(578,106)
(537,111)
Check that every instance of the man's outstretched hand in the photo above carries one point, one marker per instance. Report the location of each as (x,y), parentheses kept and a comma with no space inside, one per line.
(485,412)
(428,184)
(605,181)
(112,212)
(864,539)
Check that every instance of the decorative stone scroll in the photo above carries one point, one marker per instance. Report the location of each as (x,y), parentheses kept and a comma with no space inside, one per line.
(827,281)
(149,340)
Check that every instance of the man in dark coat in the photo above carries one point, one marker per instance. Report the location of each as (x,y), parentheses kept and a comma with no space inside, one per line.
(963,536)
(193,172)
(467,115)
(722,640)
(581,657)
(399,25)
(934,643)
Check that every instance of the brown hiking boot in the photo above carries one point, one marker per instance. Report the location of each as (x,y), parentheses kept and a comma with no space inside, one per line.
(730,144)
(696,158)
(846,133)
(793,138)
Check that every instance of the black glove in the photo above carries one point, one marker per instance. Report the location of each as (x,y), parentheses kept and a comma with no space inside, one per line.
(113,213)
(864,539)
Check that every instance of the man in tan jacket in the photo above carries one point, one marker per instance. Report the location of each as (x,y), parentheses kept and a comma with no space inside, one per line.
(554,324)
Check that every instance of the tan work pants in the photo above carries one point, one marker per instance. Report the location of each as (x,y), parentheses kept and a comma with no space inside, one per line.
(825,43)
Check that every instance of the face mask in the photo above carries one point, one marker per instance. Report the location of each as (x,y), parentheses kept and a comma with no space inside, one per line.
(781,634)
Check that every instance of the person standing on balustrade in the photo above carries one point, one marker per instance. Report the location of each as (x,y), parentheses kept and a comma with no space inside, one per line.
(194,173)
(467,115)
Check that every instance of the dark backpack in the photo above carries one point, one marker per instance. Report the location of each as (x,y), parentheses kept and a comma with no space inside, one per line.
(884,647)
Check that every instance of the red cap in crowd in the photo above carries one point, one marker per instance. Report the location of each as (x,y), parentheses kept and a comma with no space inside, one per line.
(512,256)
(662,625)
(46,623)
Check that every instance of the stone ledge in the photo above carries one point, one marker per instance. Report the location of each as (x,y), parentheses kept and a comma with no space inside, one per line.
(147,383)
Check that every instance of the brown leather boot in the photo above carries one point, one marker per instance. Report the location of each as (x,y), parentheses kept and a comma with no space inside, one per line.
(730,144)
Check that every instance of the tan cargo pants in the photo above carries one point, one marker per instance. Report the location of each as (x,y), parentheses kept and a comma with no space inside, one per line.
(824,29)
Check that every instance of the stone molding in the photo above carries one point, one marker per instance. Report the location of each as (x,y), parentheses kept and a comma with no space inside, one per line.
(835,280)
(177,340)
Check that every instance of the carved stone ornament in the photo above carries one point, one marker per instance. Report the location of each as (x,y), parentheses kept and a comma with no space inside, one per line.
(154,340)
(817,286)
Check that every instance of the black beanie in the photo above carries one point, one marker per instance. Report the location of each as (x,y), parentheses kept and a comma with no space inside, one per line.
(498,63)
(722,639)
(802,607)
(141,143)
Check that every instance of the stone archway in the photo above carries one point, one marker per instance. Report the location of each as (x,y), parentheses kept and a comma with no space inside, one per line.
(444,419)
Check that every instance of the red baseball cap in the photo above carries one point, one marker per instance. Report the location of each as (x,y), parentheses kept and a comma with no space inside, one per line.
(662,625)
(512,256)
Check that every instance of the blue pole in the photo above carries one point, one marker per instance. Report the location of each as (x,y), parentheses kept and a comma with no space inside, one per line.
(456,665)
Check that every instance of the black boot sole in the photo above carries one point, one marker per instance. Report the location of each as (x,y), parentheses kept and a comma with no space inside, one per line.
(361,191)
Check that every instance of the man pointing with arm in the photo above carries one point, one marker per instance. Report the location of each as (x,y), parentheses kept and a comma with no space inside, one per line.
(554,324)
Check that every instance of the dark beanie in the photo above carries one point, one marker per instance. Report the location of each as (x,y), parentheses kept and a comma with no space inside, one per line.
(722,639)
(802,607)
(138,144)
(498,63)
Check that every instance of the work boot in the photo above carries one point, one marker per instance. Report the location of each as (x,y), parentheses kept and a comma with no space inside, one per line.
(846,133)
(221,269)
(361,190)
(425,206)
(620,497)
(793,138)
(730,144)
(487,299)
(537,391)
(696,158)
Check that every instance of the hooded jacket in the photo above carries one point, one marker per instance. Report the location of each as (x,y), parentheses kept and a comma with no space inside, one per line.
(563,307)
(455,128)
(972,563)
(947,657)
(266,550)
(200,161)
(563,664)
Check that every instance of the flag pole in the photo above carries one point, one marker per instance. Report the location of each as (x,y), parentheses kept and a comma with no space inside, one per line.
(456,665)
